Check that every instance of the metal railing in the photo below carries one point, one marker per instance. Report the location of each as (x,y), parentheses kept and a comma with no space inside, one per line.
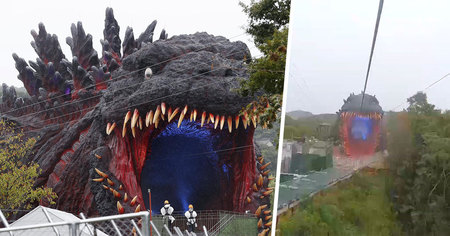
(107,225)
(209,223)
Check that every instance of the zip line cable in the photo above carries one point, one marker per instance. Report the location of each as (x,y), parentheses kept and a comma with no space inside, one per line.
(429,86)
(124,75)
(380,9)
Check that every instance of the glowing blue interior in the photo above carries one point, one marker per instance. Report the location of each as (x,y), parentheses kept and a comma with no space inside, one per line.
(361,128)
(182,168)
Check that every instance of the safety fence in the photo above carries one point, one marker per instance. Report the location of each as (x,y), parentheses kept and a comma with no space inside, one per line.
(208,223)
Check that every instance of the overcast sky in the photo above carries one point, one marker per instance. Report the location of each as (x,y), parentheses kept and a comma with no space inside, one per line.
(331,43)
(19,17)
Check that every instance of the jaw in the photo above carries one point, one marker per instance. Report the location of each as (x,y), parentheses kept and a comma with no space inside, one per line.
(195,158)
(360,132)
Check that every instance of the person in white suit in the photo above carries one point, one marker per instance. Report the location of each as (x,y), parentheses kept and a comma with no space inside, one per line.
(191,221)
(166,212)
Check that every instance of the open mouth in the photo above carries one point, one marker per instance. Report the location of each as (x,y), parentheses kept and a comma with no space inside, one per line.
(360,132)
(186,157)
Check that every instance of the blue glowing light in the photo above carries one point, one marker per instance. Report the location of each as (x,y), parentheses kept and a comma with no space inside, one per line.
(182,167)
(361,128)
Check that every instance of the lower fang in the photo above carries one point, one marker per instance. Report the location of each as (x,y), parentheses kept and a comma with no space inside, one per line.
(195,114)
(236,120)
(108,126)
(222,122)
(175,112)
(230,124)
(180,119)
(211,117)
(203,119)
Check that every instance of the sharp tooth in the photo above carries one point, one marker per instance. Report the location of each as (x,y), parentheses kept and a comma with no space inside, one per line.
(169,113)
(265,165)
(116,194)
(180,119)
(266,172)
(268,218)
(211,117)
(133,131)
(125,197)
(101,173)
(191,116)
(249,200)
(216,121)
(133,201)
(236,121)
(195,114)
(260,181)
(203,119)
(127,118)
(124,130)
(105,187)
(108,126)
(267,212)
(163,108)
(230,124)
(255,188)
(140,123)
(138,208)
(110,182)
(245,120)
(112,128)
(150,118)
(135,118)
(260,224)
(185,110)
(98,156)
(98,180)
(261,160)
(120,208)
(258,211)
(175,112)
(147,119)
(254,120)
(267,192)
(222,122)
(120,187)
(156,116)
(268,224)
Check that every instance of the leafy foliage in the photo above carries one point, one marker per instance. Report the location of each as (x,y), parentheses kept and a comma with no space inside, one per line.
(419,104)
(419,150)
(266,17)
(268,21)
(17,176)
(358,206)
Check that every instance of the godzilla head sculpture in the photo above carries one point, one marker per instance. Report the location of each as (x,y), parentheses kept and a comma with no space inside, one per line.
(105,133)
(360,125)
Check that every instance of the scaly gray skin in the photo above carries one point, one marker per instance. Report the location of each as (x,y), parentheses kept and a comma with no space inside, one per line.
(353,104)
(200,70)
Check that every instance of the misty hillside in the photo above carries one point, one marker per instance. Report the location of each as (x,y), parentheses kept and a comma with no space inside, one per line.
(306,125)
(299,114)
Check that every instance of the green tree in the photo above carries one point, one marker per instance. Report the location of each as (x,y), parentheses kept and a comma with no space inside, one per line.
(419,104)
(17,175)
(268,25)
(266,17)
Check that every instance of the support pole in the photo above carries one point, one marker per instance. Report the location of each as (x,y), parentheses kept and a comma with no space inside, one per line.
(150,208)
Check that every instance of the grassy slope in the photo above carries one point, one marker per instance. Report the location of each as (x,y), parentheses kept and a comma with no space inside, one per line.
(358,206)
